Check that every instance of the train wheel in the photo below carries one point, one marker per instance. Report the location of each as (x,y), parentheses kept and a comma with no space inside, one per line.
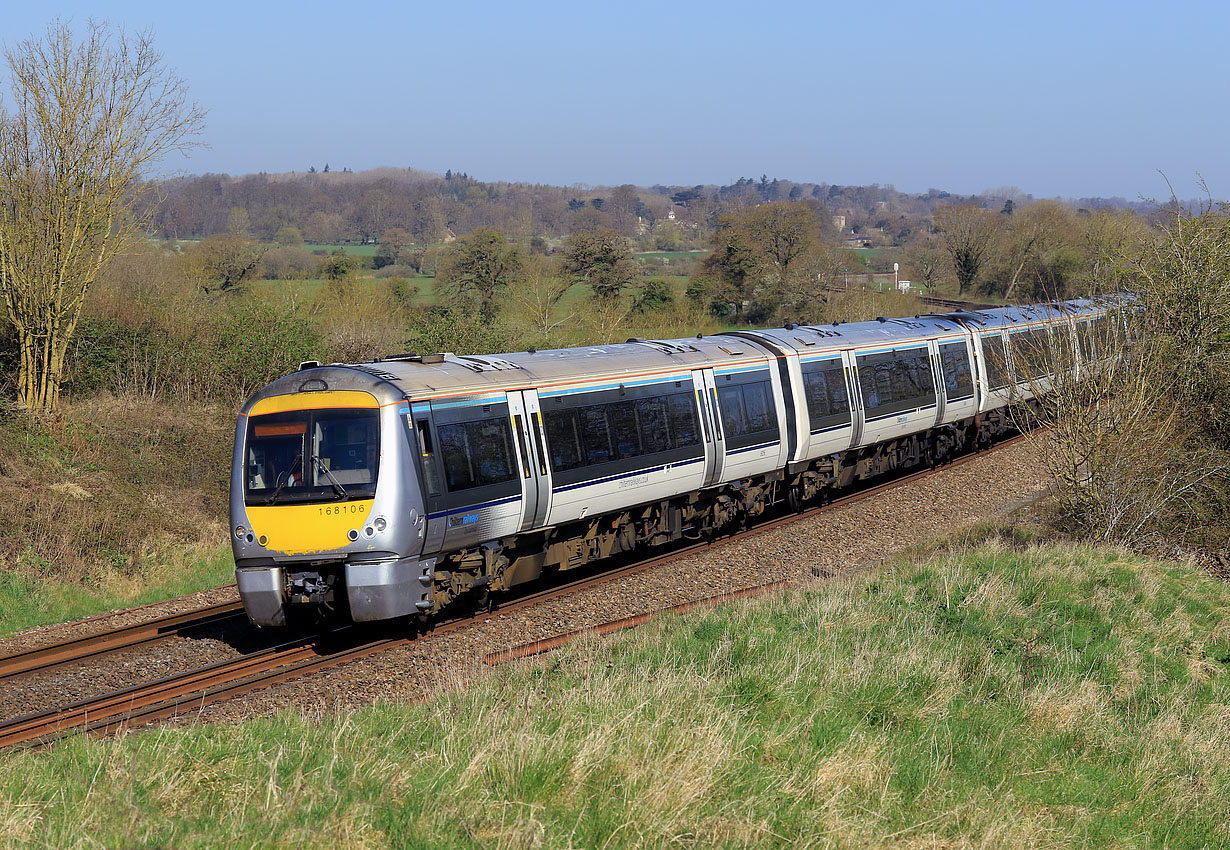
(794,498)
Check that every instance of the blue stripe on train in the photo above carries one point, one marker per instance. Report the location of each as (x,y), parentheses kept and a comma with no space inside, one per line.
(477,507)
(634,472)
(753,448)
(901,413)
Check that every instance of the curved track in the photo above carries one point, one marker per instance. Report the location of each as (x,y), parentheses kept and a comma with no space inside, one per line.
(192,690)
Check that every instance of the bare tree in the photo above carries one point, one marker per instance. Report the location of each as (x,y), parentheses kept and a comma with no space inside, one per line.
(967,232)
(88,120)
(221,263)
(1125,460)
(537,297)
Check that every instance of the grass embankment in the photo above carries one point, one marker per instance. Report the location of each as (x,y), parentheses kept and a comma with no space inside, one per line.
(1052,697)
(114,503)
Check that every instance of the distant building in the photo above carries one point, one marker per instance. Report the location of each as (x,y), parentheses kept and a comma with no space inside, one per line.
(839,221)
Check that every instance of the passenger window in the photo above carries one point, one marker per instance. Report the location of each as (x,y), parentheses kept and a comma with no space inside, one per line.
(621,419)
(958,378)
(653,425)
(595,435)
(996,358)
(759,406)
(816,388)
(1031,353)
(564,439)
(896,381)
(839,398)
(747,409)
(476,453)
(683,420)
(620,430)
(734,411)
(824,389)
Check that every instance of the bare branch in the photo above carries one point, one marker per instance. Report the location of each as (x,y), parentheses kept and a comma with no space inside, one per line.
(89,119)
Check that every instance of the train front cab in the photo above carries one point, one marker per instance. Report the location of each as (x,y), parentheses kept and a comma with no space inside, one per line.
(325,508)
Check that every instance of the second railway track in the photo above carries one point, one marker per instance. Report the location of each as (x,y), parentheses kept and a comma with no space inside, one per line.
(105,643)
(195,689)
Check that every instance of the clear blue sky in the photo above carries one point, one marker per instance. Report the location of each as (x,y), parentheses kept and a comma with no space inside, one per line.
(1070,99)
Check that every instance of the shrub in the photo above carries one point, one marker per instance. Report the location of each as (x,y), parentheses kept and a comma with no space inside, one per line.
(459,331)
(256,343)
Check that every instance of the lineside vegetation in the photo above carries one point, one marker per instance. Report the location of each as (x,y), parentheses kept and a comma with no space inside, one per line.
(1007,695)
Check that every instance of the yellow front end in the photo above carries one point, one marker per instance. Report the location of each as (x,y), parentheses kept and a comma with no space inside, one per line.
(308,529)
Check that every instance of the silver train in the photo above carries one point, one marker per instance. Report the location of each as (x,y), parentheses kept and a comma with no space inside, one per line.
(389,489)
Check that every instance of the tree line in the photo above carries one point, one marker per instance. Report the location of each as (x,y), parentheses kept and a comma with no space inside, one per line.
(773,250)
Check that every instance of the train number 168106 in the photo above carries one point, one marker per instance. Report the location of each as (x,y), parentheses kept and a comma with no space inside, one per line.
(334,510)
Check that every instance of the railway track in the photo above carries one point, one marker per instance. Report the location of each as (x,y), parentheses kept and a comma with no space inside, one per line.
(106,643)
(193,690)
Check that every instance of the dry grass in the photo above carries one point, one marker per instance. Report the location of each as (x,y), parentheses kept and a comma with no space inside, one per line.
(1003,696)
(109,499)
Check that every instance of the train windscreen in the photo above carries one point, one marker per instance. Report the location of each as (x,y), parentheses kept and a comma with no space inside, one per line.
(311,456)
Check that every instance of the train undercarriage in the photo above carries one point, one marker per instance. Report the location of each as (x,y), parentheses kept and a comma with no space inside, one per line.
(503,564)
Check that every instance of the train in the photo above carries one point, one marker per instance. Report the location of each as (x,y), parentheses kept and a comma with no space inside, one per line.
(394,488)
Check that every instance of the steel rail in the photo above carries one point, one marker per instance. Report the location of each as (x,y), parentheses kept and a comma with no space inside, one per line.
(538,647)
(105,643)
(196,689)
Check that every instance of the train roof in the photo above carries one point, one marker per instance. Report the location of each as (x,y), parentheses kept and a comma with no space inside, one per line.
(998,318)
(842,335)
(394,379)
(433,375)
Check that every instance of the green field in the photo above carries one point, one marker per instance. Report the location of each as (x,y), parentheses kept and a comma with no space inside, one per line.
(1007,696)
(672,256)
(354,250)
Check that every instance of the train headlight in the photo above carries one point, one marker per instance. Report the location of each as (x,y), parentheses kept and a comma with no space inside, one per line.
(380,524)
(240,531)
(353,534)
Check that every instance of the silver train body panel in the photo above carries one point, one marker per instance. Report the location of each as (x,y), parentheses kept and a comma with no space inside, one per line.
(811,373)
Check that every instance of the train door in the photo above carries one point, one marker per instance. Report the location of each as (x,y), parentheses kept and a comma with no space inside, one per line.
(975,359)
(526,416)
(538,433)
(711,425)
(856,397)
(937,380)
(430,474)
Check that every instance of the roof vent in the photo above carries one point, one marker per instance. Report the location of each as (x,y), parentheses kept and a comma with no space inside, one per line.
(665,346)
(309,364)
(881,319)
(478,364)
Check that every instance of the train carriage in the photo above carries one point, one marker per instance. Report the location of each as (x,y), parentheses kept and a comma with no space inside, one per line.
(389,489)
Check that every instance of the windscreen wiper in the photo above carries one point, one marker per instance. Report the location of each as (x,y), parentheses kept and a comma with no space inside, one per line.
(290,473)
(337,485)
